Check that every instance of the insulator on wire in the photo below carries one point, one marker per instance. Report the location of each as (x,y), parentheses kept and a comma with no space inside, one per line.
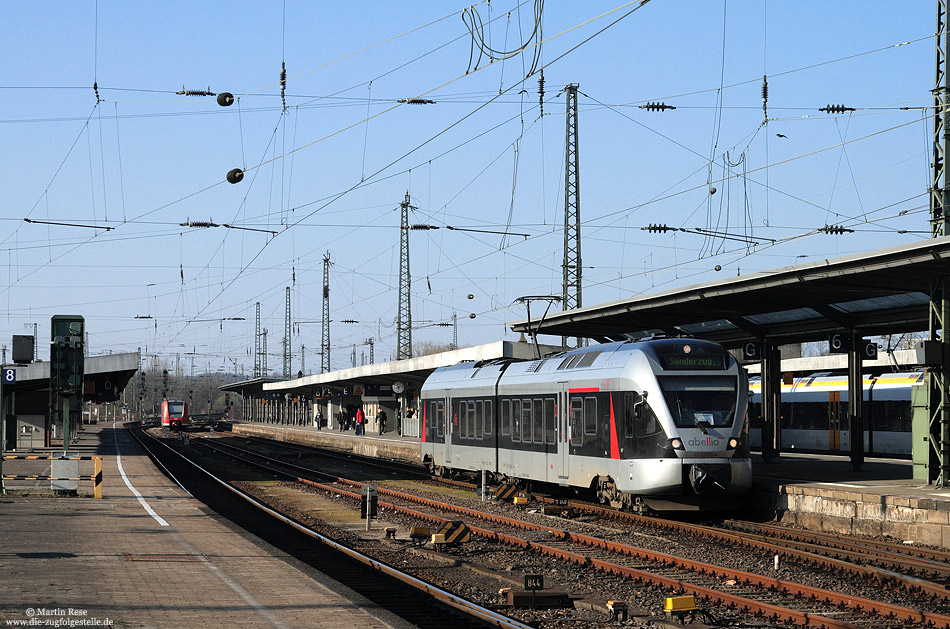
(283,83)
(656,106)
(416,101)
(421,227)
(835,109)
(184,92)
(95,88)
(541,91)
(658,228)
(836,230)
(225,99)
(765,96)
(191,223)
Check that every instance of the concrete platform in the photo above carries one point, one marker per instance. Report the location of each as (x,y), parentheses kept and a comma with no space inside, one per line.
(389,445)
(813,491)
(820,492)
(160,559)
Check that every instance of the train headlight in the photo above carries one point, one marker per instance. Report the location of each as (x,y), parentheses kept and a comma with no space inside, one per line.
(733,443)
(676,444)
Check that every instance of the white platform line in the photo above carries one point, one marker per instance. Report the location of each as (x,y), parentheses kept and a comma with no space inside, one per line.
(118,460)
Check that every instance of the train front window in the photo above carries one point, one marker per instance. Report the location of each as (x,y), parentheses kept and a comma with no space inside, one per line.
(176,409)
(704,401)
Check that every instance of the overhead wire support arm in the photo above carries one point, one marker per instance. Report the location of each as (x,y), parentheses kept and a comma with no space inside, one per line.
(487,231)
(38,222)
(250,229)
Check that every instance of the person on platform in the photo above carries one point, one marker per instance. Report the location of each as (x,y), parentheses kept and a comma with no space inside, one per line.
(382,421)
(360,422)
(319,420)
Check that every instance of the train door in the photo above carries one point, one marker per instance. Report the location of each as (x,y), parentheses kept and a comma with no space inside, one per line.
(563,432)
(450,418)
(834,420)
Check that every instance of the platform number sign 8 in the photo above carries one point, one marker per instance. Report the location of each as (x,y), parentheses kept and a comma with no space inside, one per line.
(9,376)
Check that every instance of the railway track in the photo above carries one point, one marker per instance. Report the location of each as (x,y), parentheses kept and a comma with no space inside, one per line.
(913,569)
(404,595)
(754,594)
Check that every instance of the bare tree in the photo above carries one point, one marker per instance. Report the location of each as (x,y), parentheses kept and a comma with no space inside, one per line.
(424,348)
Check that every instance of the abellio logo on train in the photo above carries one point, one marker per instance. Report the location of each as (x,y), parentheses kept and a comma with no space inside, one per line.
(707,441)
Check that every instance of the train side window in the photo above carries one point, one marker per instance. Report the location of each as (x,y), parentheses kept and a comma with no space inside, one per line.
(550,420)
(516,420)
(472,420)
(440,419)
(429,419)
(590,416)
(526,421)
(577,419)
(489,418)
(506,417)
(479,419)
(538,420)
(463,420)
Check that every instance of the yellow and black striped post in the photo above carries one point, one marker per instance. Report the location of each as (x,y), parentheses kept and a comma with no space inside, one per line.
(97,480)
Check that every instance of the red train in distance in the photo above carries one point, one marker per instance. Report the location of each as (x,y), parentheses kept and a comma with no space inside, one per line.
(174,413)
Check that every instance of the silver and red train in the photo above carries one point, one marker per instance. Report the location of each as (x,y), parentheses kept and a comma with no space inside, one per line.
(658,423)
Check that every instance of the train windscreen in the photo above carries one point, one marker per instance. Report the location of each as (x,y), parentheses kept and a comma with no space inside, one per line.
(704,401)
(176,409)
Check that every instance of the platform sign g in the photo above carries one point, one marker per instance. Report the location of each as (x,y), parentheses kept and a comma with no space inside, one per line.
(9,376)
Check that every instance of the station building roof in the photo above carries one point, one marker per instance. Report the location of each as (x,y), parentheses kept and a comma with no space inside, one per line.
(877,292)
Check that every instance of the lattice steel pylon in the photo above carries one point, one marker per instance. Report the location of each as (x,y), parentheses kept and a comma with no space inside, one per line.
(571,285)
(325,337)
(404,313)
(939,379)
(287,353)
(257,342)
(264,352)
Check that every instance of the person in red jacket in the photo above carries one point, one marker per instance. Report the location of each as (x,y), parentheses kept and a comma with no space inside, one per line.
(360,422)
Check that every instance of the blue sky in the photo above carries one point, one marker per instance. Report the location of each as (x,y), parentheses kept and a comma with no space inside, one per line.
(327,173)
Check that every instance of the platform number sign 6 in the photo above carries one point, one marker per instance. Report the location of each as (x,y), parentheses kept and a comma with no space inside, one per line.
(9,376)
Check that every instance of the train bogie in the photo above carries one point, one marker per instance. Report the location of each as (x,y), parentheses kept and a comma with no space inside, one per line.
(661,417)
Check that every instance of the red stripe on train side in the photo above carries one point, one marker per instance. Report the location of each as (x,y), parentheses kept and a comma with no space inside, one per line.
(614,446)
(584,390)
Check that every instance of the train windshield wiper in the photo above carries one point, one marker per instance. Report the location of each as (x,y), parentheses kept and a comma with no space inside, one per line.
(704,426)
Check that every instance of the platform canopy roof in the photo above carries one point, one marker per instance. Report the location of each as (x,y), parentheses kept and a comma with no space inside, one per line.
(873,293)
(411,371)
(104,376)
